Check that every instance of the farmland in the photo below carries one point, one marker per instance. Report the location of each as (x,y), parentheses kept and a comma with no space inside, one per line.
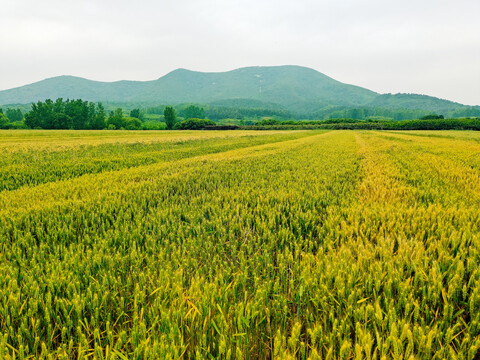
(239,245)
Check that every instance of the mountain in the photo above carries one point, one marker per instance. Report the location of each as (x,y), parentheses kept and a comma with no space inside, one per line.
(414,101)
(73,88)
(283,85)
(295,88)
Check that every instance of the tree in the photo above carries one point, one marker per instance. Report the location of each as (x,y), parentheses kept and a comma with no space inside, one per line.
(170,117)
(78,110)
(62,121)
(3,121)
(432,117)
(133,123)
(14,115)
(194,124)
(116,119)
(136,113)
(267,122)
(194,112)
(41,116)
(69,114)
(98,120)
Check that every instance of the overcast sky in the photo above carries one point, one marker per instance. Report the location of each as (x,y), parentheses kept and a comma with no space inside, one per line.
(417,46)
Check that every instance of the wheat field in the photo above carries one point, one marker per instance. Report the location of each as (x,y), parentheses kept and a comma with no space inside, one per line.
(239,245)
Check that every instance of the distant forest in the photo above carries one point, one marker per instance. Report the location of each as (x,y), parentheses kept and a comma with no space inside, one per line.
(80,114)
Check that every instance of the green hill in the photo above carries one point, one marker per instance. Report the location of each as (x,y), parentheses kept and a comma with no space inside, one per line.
(71,87)
(414,101)
(295,89)
(288,86)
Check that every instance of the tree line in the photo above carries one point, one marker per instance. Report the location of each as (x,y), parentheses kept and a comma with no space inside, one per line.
(428,123)
(69,114)
(80,115)
(11,119)
(84,115)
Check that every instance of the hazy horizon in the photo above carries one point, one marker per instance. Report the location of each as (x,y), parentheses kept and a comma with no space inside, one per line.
(432,48)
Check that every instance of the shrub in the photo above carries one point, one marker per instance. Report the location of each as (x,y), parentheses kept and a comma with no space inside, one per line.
(132,123)
(194,124)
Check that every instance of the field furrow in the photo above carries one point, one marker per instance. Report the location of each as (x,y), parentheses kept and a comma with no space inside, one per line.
(39,163)
(312,245)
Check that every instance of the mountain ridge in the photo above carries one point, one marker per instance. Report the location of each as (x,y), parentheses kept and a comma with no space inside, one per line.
(290,86)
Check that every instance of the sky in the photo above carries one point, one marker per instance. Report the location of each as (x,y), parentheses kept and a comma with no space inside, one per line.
(427,47)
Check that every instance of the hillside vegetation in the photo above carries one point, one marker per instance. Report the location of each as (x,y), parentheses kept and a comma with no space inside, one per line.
(303,92)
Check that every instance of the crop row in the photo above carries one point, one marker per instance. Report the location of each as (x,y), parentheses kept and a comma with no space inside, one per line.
(335,245)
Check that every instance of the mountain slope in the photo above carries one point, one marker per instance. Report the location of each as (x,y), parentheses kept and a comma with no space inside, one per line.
(71,87)
(414,101)
(298,89)
(284,85)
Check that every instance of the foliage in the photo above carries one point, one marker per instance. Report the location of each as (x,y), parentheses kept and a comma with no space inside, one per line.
(415,102)
(69,114)
(222,127)
(438,124)
(267,122)
(97,122)
(325,244)
(223,112)
(116,119)
(352,124)
(153,125)
(4,122)
(432,117)
(170,117)
(157,110)
(194,124)
(14,115)
(194,112)
(11,122)
(365,112)
(239,111)
(133,123)
(136,113)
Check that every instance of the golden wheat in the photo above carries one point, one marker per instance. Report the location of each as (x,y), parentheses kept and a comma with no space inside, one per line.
(239,245)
